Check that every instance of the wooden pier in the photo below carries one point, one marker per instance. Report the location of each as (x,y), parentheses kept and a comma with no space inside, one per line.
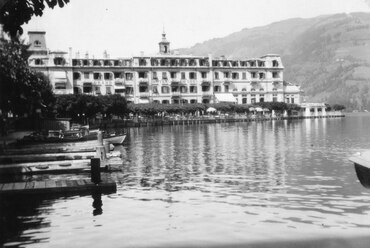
(57,186)
(52,158)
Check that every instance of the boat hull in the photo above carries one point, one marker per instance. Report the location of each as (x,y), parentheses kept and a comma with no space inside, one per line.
(362,167)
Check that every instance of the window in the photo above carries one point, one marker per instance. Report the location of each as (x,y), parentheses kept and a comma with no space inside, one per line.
(76,76)
(275,74)
(192,75)
(183,89)
(216,75)
(165,102)
(129,90)
(155,89)
(193,89)
(275,63)
(108,90)
(253,98)
(292,100)
(87,88)
(85,62)
(165,89)
(119,91)
(183,76)
(97,90)
(154,75)
(254,74)
(143,88)
(262,98)
(128,76)
(142,74)
(217,88)
(204,75)
(118,75)
(60,86)
(274,97)
(142,62)
(97,76)
(86,75)
(226,88)
(175,88)
(164,75)
(193,101)
(262,89)
(226,75)
(173,75)
(59,61)
(235,75)
(206,88)
(244,75)
(261,75)
(38,62)
(107,76)
(244,100)
(37,43)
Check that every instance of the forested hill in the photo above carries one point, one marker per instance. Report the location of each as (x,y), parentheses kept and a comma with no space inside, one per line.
(329,56)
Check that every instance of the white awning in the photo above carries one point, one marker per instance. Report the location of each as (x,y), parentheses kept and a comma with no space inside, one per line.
(143,100)
(225,97)
(60,75)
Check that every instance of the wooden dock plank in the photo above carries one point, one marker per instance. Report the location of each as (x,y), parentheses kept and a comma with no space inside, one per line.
(19,185)
(30,185)
(59,186)
(50,184)
(7,186)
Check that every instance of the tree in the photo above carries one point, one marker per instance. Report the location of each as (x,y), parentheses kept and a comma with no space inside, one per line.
(22,91)
(15,13)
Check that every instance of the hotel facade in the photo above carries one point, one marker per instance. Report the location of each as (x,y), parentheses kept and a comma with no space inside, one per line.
(166,78)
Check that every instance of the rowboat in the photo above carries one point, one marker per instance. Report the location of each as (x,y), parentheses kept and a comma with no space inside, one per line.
(362,167)
(57,136)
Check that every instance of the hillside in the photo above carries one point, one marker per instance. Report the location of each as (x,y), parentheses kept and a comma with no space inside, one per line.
(329,56)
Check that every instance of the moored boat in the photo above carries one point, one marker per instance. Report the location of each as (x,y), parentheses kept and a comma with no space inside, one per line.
(362,166)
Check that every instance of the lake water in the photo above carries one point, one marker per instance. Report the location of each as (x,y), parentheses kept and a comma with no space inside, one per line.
(260,183)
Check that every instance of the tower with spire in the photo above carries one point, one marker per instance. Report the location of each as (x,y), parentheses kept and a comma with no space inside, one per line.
(164,45)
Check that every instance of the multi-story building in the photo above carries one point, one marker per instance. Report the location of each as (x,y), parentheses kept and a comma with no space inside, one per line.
(166,77)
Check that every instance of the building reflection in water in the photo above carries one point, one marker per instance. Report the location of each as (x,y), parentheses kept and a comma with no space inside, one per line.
(248,156)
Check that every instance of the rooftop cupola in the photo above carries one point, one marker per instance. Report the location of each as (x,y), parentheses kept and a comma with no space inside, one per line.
(164,45)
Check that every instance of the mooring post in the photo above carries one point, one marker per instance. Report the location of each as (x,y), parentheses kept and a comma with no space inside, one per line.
(100,150)
(95,170)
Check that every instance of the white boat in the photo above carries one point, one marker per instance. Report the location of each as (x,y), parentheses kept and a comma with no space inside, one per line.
(362,167)
(116,139)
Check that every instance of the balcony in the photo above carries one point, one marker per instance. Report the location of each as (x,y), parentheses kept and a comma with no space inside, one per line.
(143,80)
(176,93)
(143,94)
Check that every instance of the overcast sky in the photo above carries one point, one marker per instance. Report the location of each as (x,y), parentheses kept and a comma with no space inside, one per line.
(127,27)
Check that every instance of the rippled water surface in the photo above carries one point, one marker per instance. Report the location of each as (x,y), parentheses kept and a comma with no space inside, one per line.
(218,184)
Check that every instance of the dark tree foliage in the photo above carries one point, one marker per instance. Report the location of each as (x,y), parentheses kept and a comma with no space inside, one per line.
(75,106)
(15,13)
(22,91)
(338,107)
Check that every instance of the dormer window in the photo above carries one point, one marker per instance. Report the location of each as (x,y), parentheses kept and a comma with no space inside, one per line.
(59,61)
(38,62)
(37,43)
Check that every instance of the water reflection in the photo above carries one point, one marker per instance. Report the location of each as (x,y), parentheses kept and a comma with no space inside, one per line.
(220,184)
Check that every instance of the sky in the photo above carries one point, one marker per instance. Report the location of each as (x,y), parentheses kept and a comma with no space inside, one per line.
(126,28)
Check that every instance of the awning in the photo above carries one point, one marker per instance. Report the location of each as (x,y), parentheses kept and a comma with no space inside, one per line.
(143,100)
(225,97)
(60,75)
(206,83)
(87,85)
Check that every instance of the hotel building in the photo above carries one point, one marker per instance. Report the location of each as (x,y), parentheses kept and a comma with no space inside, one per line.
(166,77)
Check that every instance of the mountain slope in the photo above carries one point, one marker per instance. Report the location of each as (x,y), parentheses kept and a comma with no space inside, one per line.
(329,56)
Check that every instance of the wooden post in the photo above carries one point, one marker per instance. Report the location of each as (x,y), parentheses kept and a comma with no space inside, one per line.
(100,138)
(95,170)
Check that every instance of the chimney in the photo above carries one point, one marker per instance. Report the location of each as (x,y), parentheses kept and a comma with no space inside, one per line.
(86,55)
(77,55)
(70,55)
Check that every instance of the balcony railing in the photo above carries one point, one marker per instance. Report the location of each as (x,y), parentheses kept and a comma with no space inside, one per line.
(144,94)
